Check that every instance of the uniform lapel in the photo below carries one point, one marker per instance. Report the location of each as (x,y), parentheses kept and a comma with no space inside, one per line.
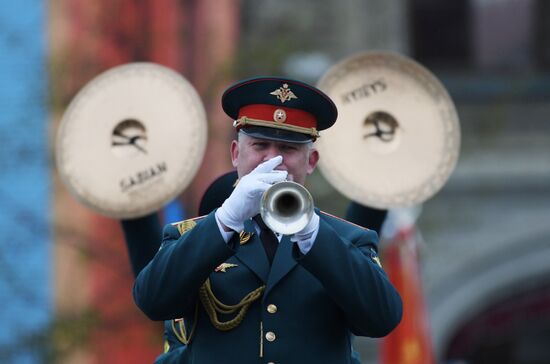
(282,263)
(252,253)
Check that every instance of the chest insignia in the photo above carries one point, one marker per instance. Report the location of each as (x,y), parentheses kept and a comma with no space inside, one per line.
(222,267)
(244,237)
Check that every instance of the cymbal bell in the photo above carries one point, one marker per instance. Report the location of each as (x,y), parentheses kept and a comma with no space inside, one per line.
(397,137)
(131,140)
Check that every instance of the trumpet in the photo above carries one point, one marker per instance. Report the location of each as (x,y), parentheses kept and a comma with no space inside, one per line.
(286,207)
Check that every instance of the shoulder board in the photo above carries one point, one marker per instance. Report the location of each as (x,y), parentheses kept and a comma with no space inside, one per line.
(186,225)
(343,220)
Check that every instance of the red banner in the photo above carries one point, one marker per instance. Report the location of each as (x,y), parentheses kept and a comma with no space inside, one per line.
(411,342)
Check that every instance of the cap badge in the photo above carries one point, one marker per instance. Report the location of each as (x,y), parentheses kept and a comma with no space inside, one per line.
(284,93)
(279,116)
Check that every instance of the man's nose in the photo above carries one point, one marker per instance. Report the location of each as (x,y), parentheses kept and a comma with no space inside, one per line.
(271,152)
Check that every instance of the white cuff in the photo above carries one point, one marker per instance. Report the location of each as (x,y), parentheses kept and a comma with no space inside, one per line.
(305,240)
(224,216)
(226,235)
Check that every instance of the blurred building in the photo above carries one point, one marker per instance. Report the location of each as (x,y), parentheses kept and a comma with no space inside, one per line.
(488,239)
(487,233)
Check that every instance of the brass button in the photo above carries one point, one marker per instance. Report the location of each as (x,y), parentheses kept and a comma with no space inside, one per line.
(271,308)
(270,336)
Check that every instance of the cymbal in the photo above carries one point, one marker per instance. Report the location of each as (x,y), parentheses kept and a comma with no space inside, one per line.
(397,137)
(131,140)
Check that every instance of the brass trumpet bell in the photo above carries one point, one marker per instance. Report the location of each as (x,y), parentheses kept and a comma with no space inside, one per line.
(286,207)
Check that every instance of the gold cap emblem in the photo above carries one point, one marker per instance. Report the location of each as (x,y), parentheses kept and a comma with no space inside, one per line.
(284,93)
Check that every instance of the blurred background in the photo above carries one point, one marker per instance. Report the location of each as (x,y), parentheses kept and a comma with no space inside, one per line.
(483,242)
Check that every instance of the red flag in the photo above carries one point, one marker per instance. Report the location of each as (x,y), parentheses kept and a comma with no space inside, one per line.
(410,342)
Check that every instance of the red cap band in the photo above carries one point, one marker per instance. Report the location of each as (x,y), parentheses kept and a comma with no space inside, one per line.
(268,113)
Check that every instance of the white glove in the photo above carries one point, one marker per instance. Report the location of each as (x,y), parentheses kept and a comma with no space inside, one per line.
(307,235)
(244,202)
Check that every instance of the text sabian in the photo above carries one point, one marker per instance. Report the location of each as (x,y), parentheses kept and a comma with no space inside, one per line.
(140,177)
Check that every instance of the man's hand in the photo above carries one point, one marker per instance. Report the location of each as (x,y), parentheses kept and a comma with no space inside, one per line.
(244,202)
(306,237)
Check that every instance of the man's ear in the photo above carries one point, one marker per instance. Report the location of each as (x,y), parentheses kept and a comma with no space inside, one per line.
(312,160)
(234,150)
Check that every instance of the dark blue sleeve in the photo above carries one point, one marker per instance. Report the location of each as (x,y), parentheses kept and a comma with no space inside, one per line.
(167,287)
(360,287)
(142,236)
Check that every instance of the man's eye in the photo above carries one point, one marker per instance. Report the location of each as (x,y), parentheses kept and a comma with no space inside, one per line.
(288,148)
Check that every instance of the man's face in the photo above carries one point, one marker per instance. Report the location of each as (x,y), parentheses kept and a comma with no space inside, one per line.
(299,160)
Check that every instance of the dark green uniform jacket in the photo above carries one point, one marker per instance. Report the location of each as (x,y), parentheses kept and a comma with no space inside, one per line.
(307,312)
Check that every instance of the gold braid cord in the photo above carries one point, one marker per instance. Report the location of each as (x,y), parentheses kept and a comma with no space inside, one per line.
(181,332)
(271,124)
(213,306)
